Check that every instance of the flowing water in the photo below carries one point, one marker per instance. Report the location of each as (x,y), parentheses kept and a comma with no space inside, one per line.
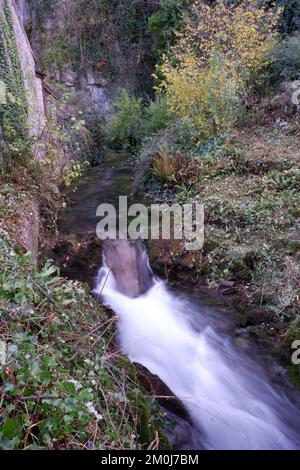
(233,401)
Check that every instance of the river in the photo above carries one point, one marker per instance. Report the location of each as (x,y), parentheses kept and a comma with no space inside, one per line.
(237,397)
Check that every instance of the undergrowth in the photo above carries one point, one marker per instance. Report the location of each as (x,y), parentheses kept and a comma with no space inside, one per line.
(62,385)
(250,187)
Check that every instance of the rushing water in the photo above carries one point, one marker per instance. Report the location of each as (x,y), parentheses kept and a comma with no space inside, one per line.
(232,404)
(228,394)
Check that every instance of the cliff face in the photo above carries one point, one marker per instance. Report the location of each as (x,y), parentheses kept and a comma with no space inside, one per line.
(92,47)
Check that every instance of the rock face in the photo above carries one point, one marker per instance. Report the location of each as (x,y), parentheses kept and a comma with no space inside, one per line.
(95,48)
(28,229)
(96,87)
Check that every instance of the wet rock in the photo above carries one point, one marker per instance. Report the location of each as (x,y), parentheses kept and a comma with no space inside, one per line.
(178,425)
(227,284)
(228,287)
(70,78)
(76,257)
(127,261)
(156,387)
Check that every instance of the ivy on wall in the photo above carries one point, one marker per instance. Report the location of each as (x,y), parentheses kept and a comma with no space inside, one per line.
(13,111)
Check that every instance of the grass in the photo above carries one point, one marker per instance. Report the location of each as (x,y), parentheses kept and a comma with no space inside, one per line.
(252,204)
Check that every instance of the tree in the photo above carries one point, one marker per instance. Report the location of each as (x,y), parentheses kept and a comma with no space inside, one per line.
(214,60)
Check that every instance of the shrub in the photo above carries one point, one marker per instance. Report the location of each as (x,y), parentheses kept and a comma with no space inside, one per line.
(131,121)
(156,116)
(64,145)
(210,68)
(125,122)
(209,100)
(180,136)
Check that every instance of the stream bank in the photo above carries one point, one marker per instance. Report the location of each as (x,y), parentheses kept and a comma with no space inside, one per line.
(63,385)
(78,253)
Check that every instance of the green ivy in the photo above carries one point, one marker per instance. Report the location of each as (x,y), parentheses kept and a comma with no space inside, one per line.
(13,114)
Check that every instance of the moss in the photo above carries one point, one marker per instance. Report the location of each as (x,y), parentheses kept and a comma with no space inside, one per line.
(293,334)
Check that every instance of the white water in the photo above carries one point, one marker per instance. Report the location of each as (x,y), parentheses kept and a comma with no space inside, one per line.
(231,403)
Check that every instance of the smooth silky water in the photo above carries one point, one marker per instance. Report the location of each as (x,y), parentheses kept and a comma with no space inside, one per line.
(232,404)
(231,400)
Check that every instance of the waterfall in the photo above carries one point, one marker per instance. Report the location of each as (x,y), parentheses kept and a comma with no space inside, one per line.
(231,402)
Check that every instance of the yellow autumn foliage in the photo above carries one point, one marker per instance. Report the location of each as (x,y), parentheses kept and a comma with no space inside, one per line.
(210,68)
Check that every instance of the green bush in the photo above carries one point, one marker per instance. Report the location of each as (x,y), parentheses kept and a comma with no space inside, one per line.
(124,125)
(178,135)
(290,20)
(131,122)
(156,116)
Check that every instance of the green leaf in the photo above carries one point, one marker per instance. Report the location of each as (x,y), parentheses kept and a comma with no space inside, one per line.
(50,362)
(69,387)
(11,429)
(49,271)
(86,395)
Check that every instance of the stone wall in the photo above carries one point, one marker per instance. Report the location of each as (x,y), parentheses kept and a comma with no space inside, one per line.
(33,84)
(24,12)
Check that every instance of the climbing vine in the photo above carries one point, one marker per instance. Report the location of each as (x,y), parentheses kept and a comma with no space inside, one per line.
(13,110)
